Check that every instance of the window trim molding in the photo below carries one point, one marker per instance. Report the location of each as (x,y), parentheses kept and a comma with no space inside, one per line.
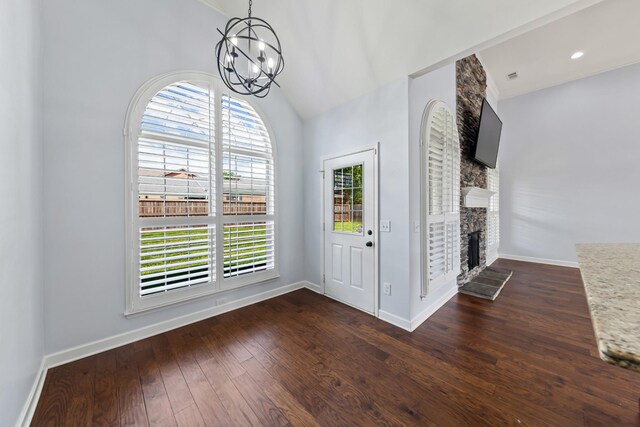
(134,303)
(492,250)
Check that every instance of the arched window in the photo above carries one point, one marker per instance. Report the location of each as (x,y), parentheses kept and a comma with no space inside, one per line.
(440,189)
(201,187)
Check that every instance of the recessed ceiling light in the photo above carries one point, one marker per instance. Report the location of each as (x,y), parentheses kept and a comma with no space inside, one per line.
(577,55)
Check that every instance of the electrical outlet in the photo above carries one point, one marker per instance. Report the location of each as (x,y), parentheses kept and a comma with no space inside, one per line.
(387,288)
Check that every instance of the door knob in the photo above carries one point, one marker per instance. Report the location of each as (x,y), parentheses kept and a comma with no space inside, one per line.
(369,244)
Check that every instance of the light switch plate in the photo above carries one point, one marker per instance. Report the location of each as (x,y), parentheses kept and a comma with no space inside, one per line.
(416,226)
(385,226)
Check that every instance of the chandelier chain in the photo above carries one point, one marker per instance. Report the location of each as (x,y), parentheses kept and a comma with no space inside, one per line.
(250,3)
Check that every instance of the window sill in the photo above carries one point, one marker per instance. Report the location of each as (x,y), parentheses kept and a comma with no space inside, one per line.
(249,279)
(181,299)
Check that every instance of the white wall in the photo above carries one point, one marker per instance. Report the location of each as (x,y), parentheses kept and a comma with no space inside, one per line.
(391,115)
(439,84)
(21,305)
(96,54)
(569,166)
(380,116)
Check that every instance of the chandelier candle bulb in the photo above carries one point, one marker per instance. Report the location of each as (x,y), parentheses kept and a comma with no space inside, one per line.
(251,73)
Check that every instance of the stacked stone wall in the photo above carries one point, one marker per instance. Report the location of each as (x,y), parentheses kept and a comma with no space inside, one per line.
(471,88)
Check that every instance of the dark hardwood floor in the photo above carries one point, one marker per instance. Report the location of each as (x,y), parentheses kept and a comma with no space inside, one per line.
(529,358)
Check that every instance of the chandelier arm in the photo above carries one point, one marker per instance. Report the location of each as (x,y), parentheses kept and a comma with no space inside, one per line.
(227,81)
(260,67)
(277,50)
(240,81)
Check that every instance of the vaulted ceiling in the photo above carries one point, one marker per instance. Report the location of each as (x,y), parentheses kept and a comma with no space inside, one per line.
(337,50)
(607,34)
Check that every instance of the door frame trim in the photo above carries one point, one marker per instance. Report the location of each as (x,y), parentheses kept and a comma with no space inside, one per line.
(376,229)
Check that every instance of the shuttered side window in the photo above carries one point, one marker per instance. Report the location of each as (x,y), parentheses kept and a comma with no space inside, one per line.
(493,212)
(203,194)
(176,167)
(248,189)
(441,200)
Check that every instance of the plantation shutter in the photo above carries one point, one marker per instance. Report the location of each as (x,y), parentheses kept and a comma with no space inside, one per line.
(202,182)
(176,210)
(452,214)
(437,181)
(493,212)
(203,213)
(441,161)
(248,190)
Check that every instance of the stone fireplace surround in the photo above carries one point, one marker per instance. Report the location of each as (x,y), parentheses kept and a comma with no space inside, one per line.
(471,89)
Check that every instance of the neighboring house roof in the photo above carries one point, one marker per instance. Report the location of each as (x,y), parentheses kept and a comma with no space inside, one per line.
(182,174)
(235,185)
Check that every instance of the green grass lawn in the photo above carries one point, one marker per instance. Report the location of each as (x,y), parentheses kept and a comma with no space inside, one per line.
(236,254)
(185,245)
(347,226)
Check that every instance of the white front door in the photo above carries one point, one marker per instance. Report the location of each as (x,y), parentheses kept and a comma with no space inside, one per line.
(349,229)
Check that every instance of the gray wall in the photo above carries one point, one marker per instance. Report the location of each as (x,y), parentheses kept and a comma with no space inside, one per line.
(96,55)
(21,305)
(569,160)
(381,116)
(439,84)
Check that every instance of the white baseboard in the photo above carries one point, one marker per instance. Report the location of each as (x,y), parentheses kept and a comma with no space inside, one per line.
(313,287)
(85,350)
(411,325)
(398,321)
(573,264)
(24,419)
(492,258)
(382,315)
(433,307)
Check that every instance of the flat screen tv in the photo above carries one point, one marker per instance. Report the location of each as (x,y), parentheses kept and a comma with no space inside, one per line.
(488,140)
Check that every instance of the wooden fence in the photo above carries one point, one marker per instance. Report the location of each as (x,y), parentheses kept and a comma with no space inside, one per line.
(161,208)
(343,213)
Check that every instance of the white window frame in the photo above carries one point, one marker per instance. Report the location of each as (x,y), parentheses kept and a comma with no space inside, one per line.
(451,218)
(493,211)
(136,304)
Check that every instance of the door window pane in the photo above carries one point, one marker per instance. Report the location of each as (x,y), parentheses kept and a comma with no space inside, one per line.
(348,199)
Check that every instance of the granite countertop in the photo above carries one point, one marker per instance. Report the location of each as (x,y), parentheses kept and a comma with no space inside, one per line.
(611,276)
